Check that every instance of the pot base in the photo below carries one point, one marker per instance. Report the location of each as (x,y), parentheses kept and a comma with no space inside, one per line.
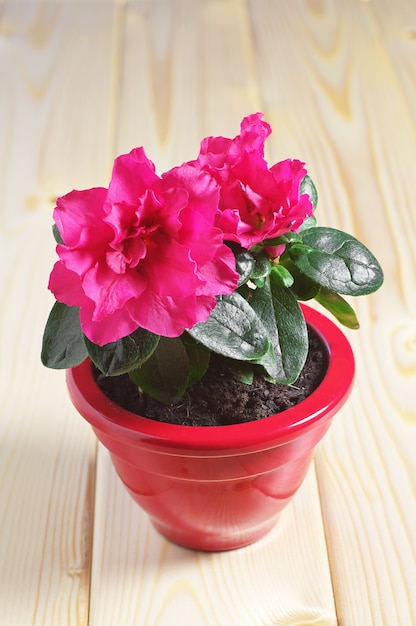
(208,541)
(208,511)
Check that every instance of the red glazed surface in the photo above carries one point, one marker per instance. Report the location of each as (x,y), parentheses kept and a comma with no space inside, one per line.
(218,488)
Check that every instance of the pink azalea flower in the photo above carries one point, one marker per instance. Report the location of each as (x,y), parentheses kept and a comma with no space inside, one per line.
(256,202)
(144,253)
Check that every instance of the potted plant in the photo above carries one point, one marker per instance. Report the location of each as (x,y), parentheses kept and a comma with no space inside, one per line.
(168,286)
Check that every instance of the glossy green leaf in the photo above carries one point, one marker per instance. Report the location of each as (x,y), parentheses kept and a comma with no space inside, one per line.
(337,261)
(303,287)
(165,375)
(307,186)
(299,250)
(339,308)
(63,343)
(292,332)
(261,301)
(233,330)
(245,263)
(288,238)
(261,269)
(310,222)
(57,234)
(199,357)
(283,319)
(118,357)
(282,276)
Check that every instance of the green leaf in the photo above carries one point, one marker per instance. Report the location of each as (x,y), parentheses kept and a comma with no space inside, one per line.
(261,269)
(299,250)
(118,357)
(233,330)
(244,262)
(282,276)
(199,357)
(288,238)
(337,261)
(261,301)
(285,324)
(63,343)
(57,234)
(339,307)
(292,332)
(303,287)
(165,375)
(310,222)
(307,186)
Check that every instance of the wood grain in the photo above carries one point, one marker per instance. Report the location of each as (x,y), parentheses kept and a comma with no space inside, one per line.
(84,81)
(185,71)
(53,138)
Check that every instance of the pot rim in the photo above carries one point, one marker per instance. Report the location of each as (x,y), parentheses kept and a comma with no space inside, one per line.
(324,402)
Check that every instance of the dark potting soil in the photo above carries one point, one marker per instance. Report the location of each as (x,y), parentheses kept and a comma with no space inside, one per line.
(218,399)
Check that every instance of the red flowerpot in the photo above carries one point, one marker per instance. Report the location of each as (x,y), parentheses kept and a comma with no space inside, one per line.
(220,487)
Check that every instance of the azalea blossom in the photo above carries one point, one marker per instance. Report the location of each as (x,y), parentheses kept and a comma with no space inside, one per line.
(143,253)
(256,202)
(161,253)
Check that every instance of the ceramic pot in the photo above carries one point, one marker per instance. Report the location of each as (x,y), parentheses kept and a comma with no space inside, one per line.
(220,487)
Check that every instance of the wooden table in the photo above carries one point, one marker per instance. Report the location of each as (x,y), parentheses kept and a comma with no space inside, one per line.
(84,81)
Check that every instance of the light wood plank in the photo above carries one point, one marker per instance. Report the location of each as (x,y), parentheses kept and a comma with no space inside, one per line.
(83,81)
(397,23)
(46,460)
(55,105)
(54,123)
(185,71)
(344,113)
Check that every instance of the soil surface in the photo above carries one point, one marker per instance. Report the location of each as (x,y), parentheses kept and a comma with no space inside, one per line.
(219,399)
